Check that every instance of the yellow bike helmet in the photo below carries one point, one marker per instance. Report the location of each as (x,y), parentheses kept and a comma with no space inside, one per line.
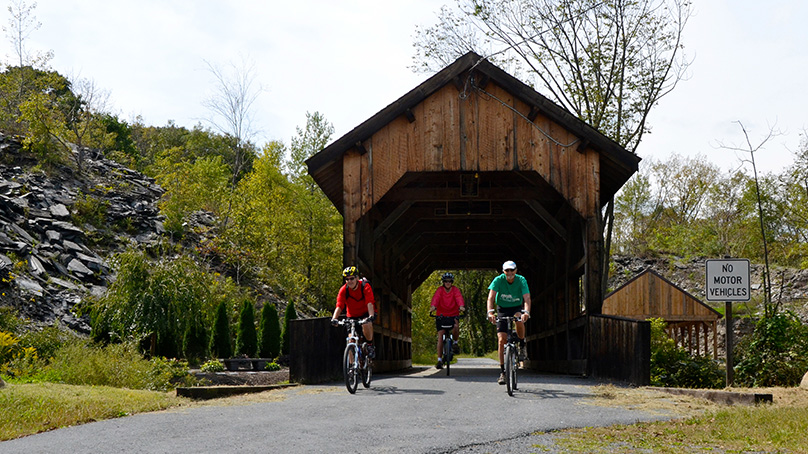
(350,271)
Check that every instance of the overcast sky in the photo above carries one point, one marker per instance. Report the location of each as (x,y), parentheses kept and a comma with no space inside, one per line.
(348,59)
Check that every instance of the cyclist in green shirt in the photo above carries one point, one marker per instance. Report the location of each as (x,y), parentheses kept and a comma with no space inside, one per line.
(510,295)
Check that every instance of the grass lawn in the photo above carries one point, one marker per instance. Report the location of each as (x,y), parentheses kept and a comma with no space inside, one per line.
(31,408)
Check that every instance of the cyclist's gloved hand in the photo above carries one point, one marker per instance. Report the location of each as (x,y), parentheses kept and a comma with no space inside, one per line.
(372,317)
(462,309)
(334,322)
(433,310)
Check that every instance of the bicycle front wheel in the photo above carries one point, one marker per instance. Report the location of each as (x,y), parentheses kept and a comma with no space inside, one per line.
(349,368)
(510,369)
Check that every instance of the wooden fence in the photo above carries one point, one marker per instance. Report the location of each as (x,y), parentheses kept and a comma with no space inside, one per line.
(620,349)
(315,350)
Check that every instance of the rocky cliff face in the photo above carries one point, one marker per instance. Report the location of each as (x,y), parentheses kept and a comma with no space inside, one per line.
(52,256)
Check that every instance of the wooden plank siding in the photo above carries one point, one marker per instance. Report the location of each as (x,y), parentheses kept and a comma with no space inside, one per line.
(477,133)
(648,295)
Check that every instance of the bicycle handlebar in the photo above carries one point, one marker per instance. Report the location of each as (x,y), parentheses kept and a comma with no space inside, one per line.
(351,321)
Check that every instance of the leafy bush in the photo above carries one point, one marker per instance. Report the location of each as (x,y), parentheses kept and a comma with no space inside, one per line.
(116,365)
(272,366)
(88,209)
(213,365)
(9,321)
(47,340)
(775,354)
(673,366)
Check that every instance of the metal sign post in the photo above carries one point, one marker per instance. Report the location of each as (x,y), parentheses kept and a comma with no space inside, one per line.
(728,281)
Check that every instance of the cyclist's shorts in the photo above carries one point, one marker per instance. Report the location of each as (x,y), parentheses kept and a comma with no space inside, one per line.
(442,322)
(502,325)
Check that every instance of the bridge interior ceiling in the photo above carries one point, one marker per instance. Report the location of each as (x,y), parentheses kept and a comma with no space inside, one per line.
(457,220)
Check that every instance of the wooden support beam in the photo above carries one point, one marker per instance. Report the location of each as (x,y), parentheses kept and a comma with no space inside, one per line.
(548,218)
(583,145)
(534,112)
(392,218)
(409,115)
(360,147)
(536,234)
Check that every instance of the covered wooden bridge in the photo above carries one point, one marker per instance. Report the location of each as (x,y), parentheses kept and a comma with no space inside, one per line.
(467,170)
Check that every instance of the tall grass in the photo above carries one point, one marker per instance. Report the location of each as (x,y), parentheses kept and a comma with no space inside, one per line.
(117,365)
(31,408)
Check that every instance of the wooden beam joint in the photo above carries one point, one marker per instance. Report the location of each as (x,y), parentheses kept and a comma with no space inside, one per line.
(534,112)
(361,148)
(409,115)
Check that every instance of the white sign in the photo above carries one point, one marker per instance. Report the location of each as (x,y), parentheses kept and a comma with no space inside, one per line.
(728,280)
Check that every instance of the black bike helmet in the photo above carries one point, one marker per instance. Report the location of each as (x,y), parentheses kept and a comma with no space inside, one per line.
(350,271)
(447,277)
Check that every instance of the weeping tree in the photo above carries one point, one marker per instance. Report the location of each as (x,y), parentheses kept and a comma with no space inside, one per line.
(609,63)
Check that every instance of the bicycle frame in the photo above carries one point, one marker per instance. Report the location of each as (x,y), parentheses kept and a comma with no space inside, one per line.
(355,363)
(510,355)
(447,340)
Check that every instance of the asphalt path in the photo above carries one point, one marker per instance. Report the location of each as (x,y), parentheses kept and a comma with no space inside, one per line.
(422,411)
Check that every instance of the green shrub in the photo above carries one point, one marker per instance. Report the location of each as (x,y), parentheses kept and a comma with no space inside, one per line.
(288,316)
(673,366)
(272,366)
(88,209)
(116,365)
(775,354)
(220,346)
(246,338)
(214,365)
(270,329)
(48,340)
(9,320)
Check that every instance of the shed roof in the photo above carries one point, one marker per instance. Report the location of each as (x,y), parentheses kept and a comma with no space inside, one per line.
(650,295)
(616,164)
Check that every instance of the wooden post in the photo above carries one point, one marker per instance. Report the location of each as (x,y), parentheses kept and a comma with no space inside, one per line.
(730,370)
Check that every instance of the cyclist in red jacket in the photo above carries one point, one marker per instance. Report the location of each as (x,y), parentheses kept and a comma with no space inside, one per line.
(356,299)
(447,302)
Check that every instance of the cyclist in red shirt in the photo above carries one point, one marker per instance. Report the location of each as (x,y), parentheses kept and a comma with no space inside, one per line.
(356,299)
(447,302)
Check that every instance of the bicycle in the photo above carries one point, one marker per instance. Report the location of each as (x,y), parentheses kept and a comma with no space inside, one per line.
(356,362)
(511,355)
(448,340)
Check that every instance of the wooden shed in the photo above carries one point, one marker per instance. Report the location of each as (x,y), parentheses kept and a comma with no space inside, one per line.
(648,295)
(468,170)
